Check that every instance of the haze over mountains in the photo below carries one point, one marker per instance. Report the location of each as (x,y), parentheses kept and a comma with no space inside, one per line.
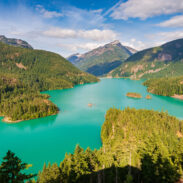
(15,42)
(161,61)
(103,59)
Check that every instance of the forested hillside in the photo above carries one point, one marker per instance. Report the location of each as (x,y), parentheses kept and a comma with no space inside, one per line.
(26,72)
(140,146)
(162,61)
(165,86)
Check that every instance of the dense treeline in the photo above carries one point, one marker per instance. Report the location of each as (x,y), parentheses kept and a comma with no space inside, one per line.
(139,146)
(165,86)
(26,72)
(21,102)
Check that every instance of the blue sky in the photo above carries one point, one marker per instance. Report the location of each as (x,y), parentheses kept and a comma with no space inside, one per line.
(72,26)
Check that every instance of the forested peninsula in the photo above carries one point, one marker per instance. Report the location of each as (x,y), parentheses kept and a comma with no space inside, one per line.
(24,73)
(167,86)
(137,146)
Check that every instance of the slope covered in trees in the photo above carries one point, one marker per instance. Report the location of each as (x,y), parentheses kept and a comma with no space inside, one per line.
(165,86)
(103,59)
(163,61)
(140,146)
(26,72)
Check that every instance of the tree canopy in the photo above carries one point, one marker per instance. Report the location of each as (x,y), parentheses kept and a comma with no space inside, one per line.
(26,72)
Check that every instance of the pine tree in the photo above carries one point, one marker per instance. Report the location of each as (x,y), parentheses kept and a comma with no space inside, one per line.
(10,169)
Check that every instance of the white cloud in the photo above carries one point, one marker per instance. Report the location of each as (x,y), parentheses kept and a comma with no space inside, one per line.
(46,13)
(94,34)
(79,47)
(60,33)
(146,8)
(98,35)
(76,27)
(136,44)
(112,8)
(163,37)
(176,21)
(85,19)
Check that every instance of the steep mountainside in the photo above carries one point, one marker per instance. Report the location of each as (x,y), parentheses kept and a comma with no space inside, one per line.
(26,72)
(15,42)
(165,60)
(102,60)
(74,58)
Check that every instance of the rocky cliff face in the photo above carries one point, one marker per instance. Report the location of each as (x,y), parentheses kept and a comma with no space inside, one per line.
(15,42)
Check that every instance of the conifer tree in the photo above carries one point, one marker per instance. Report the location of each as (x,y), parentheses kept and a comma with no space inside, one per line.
(11,169)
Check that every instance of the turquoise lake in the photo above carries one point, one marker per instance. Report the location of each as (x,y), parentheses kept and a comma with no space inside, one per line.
(48,139)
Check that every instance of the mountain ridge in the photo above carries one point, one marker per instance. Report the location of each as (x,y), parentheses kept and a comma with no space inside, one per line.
(103,59)
(161,61)
(15,42)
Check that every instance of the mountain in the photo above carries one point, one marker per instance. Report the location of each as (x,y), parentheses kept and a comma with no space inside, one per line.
(103,59)
(161,61)
(74,58)
(15,42)
(132,50)
(26,72)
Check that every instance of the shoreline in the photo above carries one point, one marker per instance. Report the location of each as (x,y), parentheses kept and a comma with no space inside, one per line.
(116,77)
(7,120)
(134,95)
(180,97)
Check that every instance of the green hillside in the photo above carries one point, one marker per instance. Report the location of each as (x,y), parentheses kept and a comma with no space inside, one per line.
(26,72)
(137,146)
(102,60)
(165,86)
(162,61)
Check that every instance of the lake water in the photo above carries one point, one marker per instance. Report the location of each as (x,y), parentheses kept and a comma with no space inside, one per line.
(48,139)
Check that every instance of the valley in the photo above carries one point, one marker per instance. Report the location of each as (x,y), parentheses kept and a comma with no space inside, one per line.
(43,95)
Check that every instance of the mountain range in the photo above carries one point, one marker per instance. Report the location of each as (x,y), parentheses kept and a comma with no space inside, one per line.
(103,59)
(162,61)
(15,42)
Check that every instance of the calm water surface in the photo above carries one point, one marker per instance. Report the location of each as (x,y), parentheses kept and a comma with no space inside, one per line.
(48,139)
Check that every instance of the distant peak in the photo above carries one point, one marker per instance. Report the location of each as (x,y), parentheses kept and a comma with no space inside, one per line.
(2,37)
(75,54)
(15,42)
(115,42)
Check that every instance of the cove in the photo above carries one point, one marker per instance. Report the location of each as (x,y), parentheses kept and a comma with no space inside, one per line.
(48,139)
